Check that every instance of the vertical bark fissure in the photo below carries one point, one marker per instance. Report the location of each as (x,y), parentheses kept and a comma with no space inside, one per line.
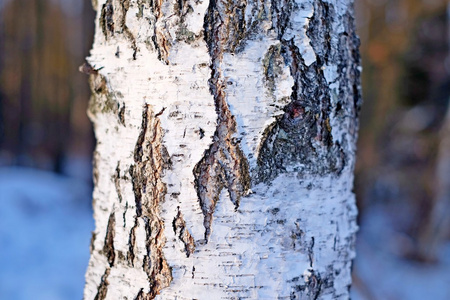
(223,164)
(108,247)
(103,287)
(132,243)
(149,193)
(116,178)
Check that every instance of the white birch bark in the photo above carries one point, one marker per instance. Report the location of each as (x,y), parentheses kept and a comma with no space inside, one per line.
(225,149)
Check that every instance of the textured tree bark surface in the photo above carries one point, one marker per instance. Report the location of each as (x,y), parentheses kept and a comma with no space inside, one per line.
(225,149)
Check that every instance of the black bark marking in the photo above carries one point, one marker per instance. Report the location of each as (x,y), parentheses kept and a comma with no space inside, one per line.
(138,186)
(95,160)
(311,252)
(138,149)
(108,247)
(314,285)
(116,179)
(92,243)
(122,115)
(223,164)
(139,183)
(319,31)
(225,26)
(180,230)
(103,287)
(132,243)
(312,288)
(273,64)
(201,133)
(124,215)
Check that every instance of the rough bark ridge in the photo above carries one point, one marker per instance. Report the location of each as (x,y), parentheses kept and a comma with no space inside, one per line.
(226,138)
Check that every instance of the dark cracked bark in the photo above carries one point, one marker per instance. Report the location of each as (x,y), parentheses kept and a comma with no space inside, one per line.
(302,136)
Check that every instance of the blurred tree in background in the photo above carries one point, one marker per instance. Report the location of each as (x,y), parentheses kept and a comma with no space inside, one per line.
(43,98)
(404,46)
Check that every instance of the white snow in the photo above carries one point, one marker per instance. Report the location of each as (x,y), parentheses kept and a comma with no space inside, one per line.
(45,224)
(381,273)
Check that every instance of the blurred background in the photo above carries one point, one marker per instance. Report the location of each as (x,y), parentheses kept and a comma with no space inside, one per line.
(402,173)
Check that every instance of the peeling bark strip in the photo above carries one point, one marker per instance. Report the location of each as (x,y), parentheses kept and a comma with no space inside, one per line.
(150,160)
(224,164)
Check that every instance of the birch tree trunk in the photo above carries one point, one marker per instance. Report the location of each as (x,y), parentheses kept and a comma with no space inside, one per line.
(225,149)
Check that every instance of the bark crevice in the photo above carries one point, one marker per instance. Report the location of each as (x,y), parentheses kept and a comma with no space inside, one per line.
(108,247)
(103,287)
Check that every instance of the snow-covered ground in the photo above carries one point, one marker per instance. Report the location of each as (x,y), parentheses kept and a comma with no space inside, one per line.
(45,229)
(46,220)
(380,270)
